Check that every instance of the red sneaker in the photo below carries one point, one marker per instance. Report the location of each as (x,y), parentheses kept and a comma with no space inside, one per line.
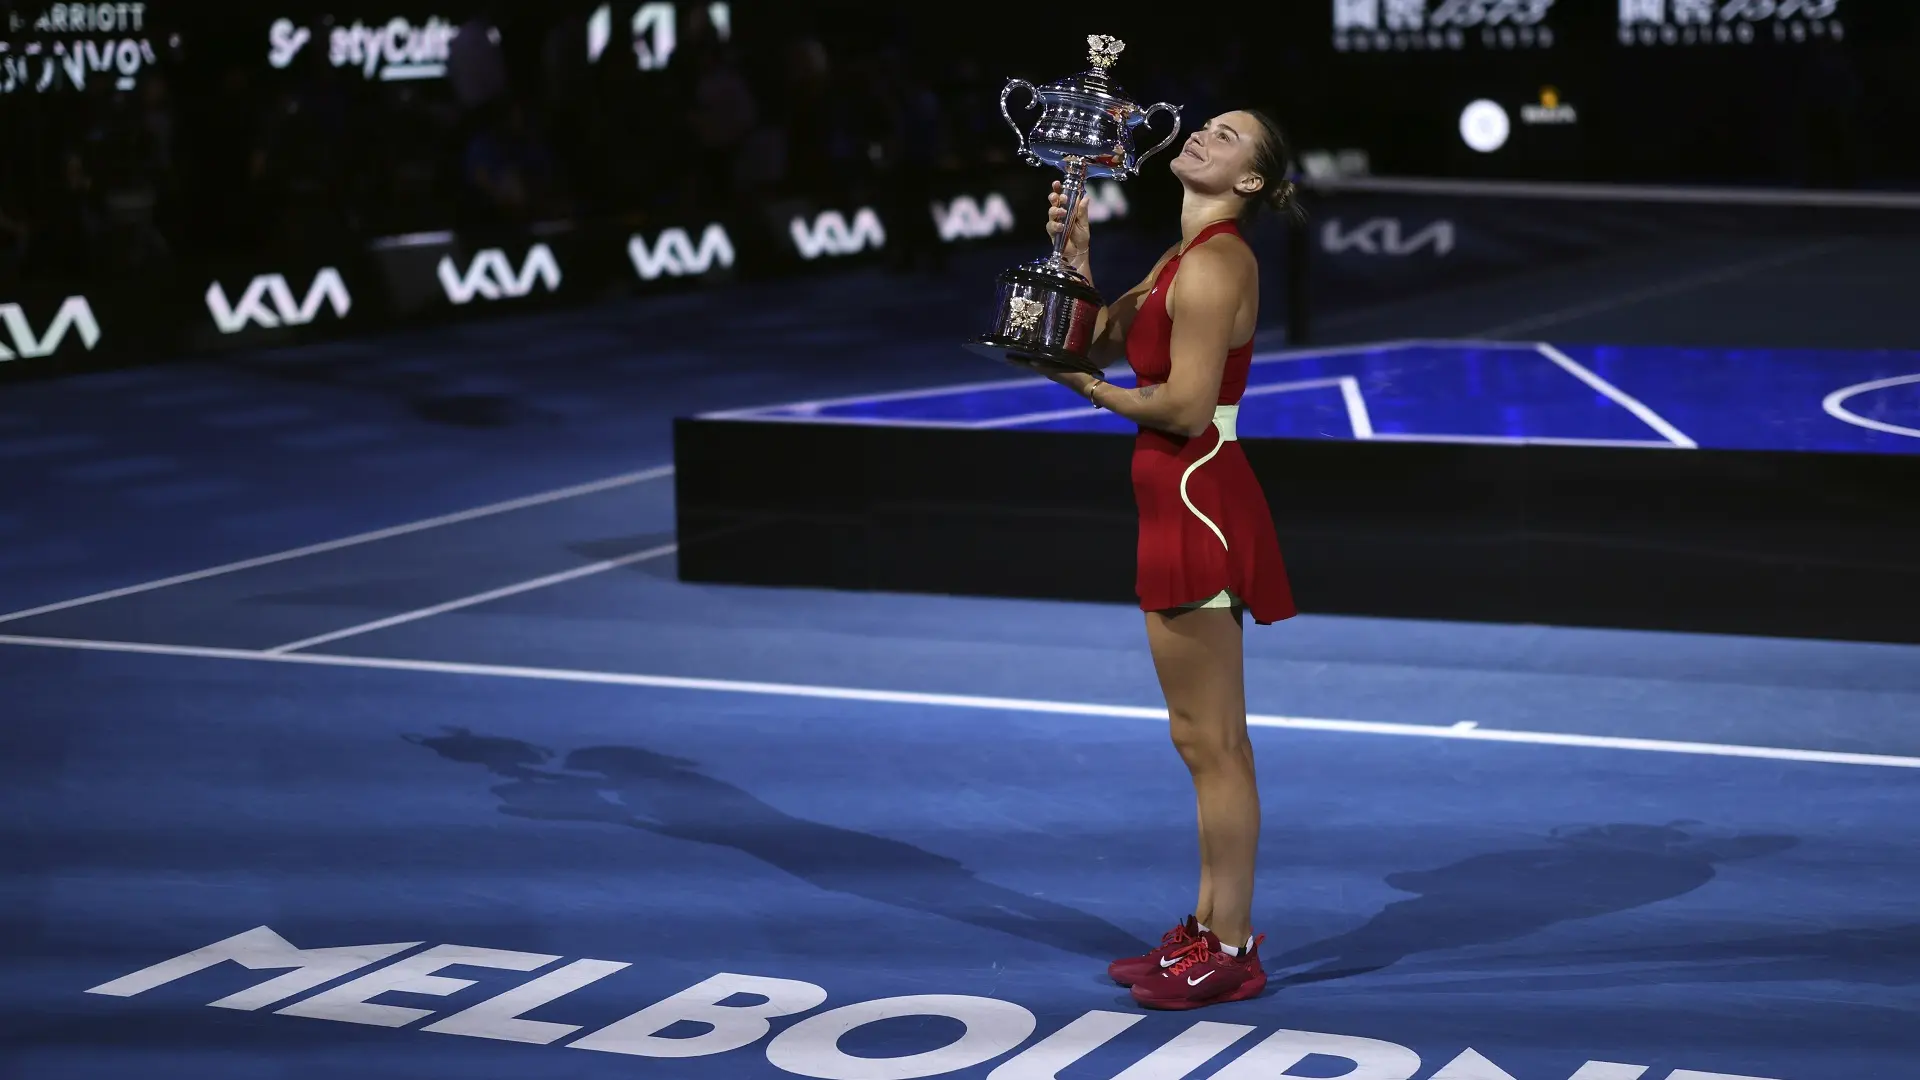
(1174,944)
(1204,975)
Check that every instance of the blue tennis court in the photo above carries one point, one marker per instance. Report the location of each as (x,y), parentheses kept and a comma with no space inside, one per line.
(478,786)
(1491,392)
(356,721)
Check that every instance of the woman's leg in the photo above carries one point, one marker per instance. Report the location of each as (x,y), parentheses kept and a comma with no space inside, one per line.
(1203,905)
(1198,658)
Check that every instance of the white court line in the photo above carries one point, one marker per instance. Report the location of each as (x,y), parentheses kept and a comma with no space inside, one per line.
(806,408)
(1835,405)
(1472,343)
(1348,385)
(1620,397)
(1465,731)
(521,503)
(1521,440)
(1083,411)
(1284,356)
(807,412)
(1356,405)
(477,598)
(1665,289)
(1361,419)
(1357,413)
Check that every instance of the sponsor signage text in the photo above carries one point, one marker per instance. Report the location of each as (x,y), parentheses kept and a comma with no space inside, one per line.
(654,30)
(74,47)
(397,49)
(1390,26)
(1728,22)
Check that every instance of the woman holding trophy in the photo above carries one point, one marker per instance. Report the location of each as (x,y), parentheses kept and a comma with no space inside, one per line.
(1207,546)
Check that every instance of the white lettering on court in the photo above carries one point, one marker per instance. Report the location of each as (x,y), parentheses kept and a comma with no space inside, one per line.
(734,1026)
(259,949)
(352,1002)
(812,1046)
(1472,1065)
(1171,1060)
(499,1017)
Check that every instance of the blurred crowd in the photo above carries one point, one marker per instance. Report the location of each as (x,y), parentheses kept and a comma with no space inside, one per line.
(300,160)
(222,156)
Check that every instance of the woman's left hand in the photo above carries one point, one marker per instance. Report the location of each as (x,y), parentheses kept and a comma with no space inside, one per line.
(1075,381)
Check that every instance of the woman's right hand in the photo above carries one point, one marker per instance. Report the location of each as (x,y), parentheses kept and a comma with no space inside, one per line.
(1078,237)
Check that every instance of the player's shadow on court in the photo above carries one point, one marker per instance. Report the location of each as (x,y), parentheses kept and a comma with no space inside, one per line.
(1584,873)
(1864,955)
(637,788)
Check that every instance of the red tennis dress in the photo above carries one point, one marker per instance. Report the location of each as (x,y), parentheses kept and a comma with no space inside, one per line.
(1204,522)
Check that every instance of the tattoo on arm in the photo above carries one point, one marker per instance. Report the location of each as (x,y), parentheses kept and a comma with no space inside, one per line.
(1150,390)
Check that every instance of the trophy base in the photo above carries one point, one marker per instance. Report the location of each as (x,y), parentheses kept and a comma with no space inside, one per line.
(1043,320)
(1023,354)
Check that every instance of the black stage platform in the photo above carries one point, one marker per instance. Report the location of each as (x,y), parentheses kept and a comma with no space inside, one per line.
(1775,543)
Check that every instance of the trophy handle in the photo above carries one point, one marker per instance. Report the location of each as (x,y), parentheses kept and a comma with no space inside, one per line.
(1033,97)
(1174,111)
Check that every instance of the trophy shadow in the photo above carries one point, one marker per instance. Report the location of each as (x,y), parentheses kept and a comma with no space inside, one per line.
(631,787)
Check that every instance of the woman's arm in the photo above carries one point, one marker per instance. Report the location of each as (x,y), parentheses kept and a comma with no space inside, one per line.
(1109,343)
(1109,340)
(1206,299)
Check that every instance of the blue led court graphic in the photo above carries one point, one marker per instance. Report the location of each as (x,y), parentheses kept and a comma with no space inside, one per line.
(1488,392)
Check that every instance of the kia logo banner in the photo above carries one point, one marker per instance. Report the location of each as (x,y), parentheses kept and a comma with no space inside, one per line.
(1387,237)
(19,340)
(422,277)
(490,276)
(832,234)
(964,218)
(269,302)
(673,253)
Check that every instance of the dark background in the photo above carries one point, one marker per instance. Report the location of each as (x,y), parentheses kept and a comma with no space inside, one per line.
(215,152)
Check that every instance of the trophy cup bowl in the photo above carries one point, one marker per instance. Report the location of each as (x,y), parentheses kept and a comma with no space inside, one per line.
(1045,310)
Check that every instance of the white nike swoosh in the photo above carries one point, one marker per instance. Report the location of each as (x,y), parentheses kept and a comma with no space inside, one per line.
(1201,979)
(1169,961)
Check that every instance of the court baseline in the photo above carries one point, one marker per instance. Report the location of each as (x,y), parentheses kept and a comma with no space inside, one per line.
(1464,731)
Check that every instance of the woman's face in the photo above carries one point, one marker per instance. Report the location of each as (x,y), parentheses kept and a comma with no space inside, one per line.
(1218,157)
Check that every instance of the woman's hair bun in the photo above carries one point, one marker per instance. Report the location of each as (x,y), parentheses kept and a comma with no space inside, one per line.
(1284,196)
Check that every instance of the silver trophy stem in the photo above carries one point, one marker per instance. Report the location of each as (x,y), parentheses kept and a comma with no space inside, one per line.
(1072,185)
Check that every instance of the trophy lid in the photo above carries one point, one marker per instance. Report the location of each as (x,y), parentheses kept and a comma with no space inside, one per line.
(1102,50)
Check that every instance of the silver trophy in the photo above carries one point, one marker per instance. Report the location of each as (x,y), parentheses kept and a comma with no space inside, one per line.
(1046,310)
